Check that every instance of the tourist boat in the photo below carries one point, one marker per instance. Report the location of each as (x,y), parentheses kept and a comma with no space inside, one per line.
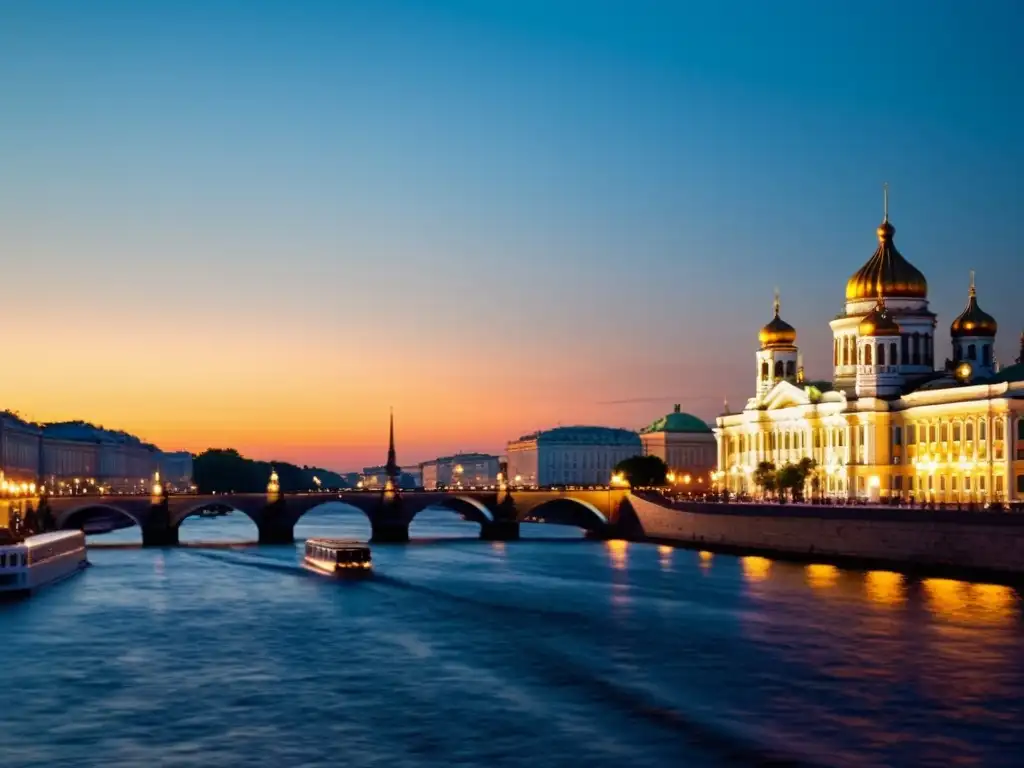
(35,561)
(338,557)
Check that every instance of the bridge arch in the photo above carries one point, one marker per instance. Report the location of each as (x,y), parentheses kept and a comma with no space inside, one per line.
(466,507)
(567,510)
(76,518)
(305,525)
(180,517)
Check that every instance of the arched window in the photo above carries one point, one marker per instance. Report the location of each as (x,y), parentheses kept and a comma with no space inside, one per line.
(835,352)
(881,353)
(867,354)
(982,429)
(892,353)
(765,370)
(986,354)
(846,350)
(972,352)
(998,430)
(904,349)
(778,369)
(970,431)
(915,343)
(790,368)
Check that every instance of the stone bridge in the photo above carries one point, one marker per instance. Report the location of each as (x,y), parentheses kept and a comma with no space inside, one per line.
(602,513)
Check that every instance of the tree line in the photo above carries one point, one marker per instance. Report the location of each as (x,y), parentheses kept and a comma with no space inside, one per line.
(225,470)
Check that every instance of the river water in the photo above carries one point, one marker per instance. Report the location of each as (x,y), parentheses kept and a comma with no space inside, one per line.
(552,651)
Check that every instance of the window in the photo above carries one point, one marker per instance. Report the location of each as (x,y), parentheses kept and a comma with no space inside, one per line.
(897,436)
(999,429)
(981,483)
(867,354)
(835,353)
(999,483)
(1020,483)
(790,368)
(910,434)
(764,371)
(846,350)
(778,369)
(931,433)
(945,432)
(897,482)
(967,483)
(817,438)
(972,352)
(915,343)
(904,349)
(982,429)
(942,482)
(956,432)
(892,353)
(881,354)
(958,353)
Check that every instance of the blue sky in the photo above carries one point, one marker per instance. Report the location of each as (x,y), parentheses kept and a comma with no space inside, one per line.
(536,208)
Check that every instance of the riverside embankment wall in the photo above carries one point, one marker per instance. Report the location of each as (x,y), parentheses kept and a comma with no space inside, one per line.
(939,539)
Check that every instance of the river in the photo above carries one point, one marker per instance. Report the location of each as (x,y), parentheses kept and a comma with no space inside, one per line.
(551,651)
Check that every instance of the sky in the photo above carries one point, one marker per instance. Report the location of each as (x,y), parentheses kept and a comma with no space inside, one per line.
(261,224)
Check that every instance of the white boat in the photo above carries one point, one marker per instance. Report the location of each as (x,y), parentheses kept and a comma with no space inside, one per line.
(35,561)
(338,557)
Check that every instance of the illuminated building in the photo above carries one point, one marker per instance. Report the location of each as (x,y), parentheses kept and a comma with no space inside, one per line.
(470,470)
(888,424)
(57,455)
(685,443)
(570,455)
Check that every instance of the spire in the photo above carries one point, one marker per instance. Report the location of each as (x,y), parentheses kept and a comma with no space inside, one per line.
(885,201)
(973,291)
(777,305)
(726,402)
(391,468)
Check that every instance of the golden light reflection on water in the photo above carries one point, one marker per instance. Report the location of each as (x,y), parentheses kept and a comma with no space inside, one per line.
(755,568)
(885,587)
(617,553)
(822,576)
(705,559)
(499,547)
(665,557)
(946,597)
(994,601)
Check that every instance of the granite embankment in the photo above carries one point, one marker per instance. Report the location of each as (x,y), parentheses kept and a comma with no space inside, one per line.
(959,542)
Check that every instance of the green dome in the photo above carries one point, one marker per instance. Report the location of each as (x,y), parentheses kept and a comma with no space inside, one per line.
(677,421)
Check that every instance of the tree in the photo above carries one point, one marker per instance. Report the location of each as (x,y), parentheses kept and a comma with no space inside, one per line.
(788,478)
(808,468)
(765,477)
(643,471)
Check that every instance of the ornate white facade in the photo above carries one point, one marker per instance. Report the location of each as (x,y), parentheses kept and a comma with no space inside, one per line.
(469,470)
(888,424)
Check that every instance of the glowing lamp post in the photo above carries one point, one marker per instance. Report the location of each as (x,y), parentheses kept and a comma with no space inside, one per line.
(157,489)
(274,486)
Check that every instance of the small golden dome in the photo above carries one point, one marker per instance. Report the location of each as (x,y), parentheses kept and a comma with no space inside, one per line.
(878,322)
(777,333)
(973,321)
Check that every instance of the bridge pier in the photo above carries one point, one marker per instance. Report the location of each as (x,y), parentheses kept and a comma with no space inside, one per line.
(159,536)
(500,530)
(276,535)
(388,532)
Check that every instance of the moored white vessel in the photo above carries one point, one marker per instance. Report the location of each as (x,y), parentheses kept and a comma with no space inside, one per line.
(35,561)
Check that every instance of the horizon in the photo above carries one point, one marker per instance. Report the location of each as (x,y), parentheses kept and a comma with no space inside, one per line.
(257,226)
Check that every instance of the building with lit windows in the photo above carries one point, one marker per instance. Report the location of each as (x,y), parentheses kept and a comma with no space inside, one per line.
(888,424)
(570,455)
(685,443)
(469,470)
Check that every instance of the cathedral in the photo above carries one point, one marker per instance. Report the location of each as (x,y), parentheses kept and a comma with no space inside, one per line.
(890,424)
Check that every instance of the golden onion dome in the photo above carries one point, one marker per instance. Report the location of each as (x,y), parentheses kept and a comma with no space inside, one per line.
(887,273)
(878,322)
(777,333)
(973,321)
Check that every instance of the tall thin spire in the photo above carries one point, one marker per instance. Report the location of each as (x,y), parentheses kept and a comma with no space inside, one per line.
(391,469)
(885,201)
(973,291)
(777,304)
